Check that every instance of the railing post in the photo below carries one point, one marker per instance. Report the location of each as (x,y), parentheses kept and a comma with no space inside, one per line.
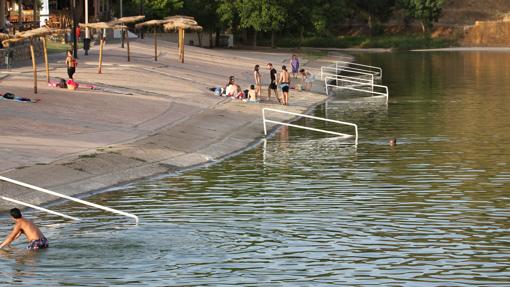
(264,121)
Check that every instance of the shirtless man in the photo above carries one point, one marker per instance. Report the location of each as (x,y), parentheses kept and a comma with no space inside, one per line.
(284,82)
(36,239)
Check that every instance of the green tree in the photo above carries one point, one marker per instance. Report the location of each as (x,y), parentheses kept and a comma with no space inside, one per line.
(262,15)
(425,11)
(158,9)
(205,14)
(374,11)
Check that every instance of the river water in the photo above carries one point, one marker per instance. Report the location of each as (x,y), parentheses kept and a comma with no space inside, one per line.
(306,210)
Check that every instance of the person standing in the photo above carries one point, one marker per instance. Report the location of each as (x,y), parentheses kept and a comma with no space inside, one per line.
(273,85)
(258,81)
(71,64)
(294,65)
(284,81)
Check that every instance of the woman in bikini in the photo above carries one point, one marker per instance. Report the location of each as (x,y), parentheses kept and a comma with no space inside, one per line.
(258,80)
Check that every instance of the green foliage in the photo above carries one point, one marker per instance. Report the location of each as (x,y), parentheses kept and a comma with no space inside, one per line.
(305,22)
(158,9)
(393,42)
(427,11)
(204,11)
(262,15)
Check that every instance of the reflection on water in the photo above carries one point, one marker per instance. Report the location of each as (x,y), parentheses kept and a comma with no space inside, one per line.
(305,210)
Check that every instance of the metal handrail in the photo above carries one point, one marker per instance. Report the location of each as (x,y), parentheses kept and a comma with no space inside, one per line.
(355,84)
(377,70)
(36,188)
(336,70)
(38,208)
(308,128)
(357,79)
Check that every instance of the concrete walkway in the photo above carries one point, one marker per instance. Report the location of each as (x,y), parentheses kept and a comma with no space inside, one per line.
(147,118)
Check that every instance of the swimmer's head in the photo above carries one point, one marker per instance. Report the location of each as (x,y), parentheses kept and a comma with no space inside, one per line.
(393,142)
(15,213)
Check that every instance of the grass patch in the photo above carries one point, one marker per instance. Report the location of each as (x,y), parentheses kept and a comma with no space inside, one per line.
(399,42)
(92,155)
(59,47)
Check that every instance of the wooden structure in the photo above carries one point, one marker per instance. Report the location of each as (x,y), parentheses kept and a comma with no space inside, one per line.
(30,35)
(102,40)
(155,24)
(181,24)
(125,21)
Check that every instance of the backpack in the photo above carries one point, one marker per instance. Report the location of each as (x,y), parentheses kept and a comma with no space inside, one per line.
(62,83)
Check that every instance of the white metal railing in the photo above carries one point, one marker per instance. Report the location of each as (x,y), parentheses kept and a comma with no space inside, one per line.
(38,208)
(309,128)
(344,84)
(36,188)
(377,71)
(333,71)
(352,78)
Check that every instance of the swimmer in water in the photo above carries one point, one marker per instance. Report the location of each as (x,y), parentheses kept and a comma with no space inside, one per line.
(393,142)
(35,237)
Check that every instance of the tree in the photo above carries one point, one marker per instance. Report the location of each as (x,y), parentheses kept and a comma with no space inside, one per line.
(158,9)
(205,14)
(426,11)
(262,15)
(374,11)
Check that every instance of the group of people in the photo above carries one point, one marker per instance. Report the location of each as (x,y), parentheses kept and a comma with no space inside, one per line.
(280,81)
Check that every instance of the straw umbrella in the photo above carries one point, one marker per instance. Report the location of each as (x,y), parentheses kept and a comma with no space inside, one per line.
(30,35)
(101,26)
(155,24)
(181,23)
(4,36)
(124,21)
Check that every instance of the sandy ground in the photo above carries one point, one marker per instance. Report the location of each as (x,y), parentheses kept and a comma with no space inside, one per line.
(147,118)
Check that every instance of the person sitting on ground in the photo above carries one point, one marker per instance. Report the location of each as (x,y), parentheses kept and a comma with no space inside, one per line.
(307,79)
(232,89)
(71,64)
(252,95)
(34,236)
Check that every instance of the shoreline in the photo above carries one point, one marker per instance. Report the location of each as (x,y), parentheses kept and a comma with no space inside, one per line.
(194,134)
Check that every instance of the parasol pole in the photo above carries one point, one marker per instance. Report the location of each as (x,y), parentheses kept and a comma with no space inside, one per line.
(155,44)
(101,44)
(127,43)
(33,64)
(45,50)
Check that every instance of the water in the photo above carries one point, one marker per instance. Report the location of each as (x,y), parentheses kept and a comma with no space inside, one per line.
(304,210)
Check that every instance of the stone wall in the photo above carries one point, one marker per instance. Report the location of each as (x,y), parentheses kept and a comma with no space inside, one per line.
(21,52)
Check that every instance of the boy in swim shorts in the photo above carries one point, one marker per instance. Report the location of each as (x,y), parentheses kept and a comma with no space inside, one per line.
(36,239)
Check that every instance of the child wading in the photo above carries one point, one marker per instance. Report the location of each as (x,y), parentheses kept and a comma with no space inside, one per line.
(71,64)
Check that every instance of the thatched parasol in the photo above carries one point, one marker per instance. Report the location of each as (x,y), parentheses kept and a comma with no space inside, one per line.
(97,25)
(154,24)
(123,21)
(100,26)
(126,20)
(181,23)
(4,36)
(30,35)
